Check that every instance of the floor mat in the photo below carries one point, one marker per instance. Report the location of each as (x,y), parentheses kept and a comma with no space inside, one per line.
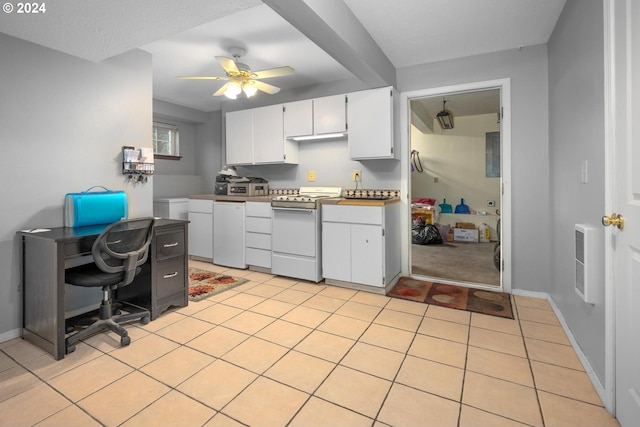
(452,296)
(203,283)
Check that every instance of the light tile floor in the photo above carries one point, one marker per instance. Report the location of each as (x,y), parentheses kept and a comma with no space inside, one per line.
(280,352)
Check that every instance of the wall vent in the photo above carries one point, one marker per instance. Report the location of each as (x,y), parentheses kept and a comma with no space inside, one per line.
(585,262)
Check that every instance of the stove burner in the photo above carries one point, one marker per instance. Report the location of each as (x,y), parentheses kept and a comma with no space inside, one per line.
(307,197)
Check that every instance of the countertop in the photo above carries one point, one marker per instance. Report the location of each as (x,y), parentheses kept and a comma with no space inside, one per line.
(223,198)
(267,199)
(360,202)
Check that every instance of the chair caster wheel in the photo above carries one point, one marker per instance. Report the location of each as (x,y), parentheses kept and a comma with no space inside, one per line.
(69,329)
(125,341)
(145,320)
(70,349)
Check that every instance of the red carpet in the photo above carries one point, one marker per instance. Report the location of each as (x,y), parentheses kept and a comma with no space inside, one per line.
(458,297)
(203,283)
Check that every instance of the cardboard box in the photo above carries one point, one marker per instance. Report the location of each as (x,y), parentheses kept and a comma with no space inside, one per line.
(426,214)
(465,225)
(465,235)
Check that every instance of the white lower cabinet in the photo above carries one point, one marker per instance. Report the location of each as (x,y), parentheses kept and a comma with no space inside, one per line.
(361,245)
(229,234)
(201,228)
(258,234)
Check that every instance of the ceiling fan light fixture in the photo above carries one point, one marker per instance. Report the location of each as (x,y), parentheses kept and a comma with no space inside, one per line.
(233,90)
(445,118)
(249,89)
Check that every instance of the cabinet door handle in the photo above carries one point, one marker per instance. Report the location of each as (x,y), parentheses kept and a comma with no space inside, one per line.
(170,245)
(170,275)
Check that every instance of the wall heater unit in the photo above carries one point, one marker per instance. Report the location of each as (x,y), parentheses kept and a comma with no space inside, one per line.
(585,251)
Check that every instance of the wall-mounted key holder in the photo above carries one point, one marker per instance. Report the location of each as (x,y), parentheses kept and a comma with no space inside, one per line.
(137,163)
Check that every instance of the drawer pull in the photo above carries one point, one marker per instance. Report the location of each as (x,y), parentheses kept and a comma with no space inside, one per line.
(171,245)
(170,275)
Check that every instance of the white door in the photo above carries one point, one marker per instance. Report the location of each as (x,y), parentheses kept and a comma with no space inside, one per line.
(239,137)
(329,114)
(366,254)
(336,251)
(229,234)
(624,132)
(268,134)
(201,234)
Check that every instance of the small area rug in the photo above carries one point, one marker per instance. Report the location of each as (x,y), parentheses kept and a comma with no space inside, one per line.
(203,283)
(459,297)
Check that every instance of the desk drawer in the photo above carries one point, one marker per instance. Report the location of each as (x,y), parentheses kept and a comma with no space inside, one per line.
(169,245)
(79,247)
(170,277)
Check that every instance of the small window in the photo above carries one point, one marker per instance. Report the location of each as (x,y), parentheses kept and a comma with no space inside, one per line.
(165,141)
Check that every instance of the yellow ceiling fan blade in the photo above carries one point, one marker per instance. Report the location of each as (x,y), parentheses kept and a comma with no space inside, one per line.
(274,72)
(220,91)
(228,64)
(265,87)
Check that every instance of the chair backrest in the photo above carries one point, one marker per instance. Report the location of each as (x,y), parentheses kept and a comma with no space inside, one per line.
(123,246)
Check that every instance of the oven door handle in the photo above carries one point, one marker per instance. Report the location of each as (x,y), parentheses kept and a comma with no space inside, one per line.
(275,208)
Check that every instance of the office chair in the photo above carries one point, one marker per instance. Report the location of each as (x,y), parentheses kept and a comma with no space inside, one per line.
(118,254)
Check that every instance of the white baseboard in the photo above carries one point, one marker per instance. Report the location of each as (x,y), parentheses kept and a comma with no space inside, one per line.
(9,335)
(597,384)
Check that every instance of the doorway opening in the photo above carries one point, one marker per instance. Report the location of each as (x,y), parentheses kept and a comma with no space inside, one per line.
(457,180)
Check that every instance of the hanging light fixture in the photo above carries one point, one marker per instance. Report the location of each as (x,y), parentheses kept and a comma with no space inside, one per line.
(233,90)
(445,118)
(239,84)
(249,89)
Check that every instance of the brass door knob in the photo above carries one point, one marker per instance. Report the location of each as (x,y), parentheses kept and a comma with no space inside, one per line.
(613,219)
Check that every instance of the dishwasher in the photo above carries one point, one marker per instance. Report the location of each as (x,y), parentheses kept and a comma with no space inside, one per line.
(229,234)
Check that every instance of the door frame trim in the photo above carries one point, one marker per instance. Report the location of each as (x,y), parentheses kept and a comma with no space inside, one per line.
(609,24)
(405,185)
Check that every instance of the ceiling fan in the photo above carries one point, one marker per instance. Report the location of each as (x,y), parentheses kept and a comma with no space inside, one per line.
(241,78)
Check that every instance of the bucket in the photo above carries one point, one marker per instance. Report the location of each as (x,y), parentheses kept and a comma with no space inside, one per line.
(485,233)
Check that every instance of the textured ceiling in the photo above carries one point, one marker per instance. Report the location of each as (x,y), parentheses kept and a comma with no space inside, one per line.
(414,32)
(99,29)
(184,36)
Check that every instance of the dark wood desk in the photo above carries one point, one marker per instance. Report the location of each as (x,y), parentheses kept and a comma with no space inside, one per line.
(45,256)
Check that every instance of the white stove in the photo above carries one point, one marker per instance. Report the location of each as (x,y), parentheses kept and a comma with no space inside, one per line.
(296,234)
(307,197)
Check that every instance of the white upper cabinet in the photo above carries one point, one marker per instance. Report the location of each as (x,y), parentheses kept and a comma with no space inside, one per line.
(371,130)
(329,114)
(239,140)
(256,136)
(268,135)
(315,116)
(298,118)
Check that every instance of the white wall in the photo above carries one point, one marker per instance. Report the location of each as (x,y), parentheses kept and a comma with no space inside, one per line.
(454,168)
(200,148)
(576,110)
(63,122)
(527,69)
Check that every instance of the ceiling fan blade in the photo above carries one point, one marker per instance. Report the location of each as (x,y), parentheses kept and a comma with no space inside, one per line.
(228,64)
(220,91)
(274,72)
(203,78)
(265,87)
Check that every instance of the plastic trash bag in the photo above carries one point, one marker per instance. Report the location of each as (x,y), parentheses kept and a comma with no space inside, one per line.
(425,234)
